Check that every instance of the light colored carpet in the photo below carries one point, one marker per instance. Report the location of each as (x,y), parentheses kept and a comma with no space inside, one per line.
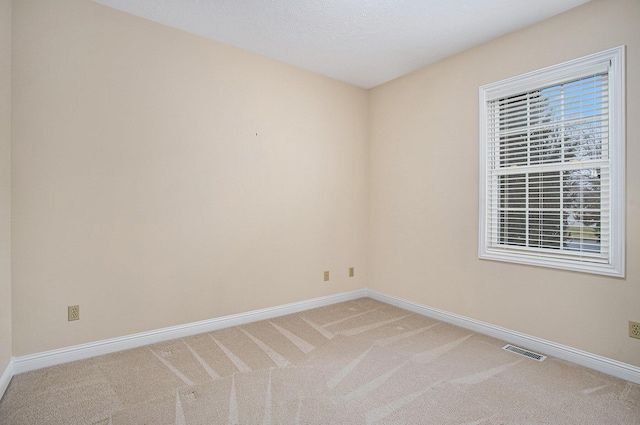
(359,362)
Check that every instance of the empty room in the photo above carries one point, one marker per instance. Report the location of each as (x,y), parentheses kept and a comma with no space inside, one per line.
(340,212)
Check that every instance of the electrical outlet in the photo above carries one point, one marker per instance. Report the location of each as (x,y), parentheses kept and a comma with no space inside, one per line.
(326,276)
(73,312)
(634,329)
(351,272)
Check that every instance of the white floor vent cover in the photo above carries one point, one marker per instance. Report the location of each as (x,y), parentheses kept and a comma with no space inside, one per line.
(523,352)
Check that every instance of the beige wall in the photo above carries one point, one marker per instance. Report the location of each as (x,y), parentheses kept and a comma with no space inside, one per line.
(424,191)
(160,178)
(5,184)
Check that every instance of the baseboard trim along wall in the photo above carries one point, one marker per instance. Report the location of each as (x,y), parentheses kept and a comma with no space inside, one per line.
(83,351)
(592,361)
(6,377)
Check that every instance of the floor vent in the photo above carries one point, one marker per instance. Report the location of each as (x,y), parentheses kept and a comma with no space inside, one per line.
(523,352)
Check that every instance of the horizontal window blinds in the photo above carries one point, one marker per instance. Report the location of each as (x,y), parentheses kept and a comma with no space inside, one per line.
(552,166)
(548,179)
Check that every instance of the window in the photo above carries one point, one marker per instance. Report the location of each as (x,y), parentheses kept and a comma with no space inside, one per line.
(552,166)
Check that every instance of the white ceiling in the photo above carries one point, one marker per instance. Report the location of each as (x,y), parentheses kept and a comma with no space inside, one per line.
(362,42)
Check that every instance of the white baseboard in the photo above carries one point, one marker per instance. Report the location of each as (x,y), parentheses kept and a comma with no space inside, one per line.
(84,351)
(592,361)
(5,378)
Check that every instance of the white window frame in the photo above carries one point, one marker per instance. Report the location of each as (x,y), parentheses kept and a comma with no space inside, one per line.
(614,60)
